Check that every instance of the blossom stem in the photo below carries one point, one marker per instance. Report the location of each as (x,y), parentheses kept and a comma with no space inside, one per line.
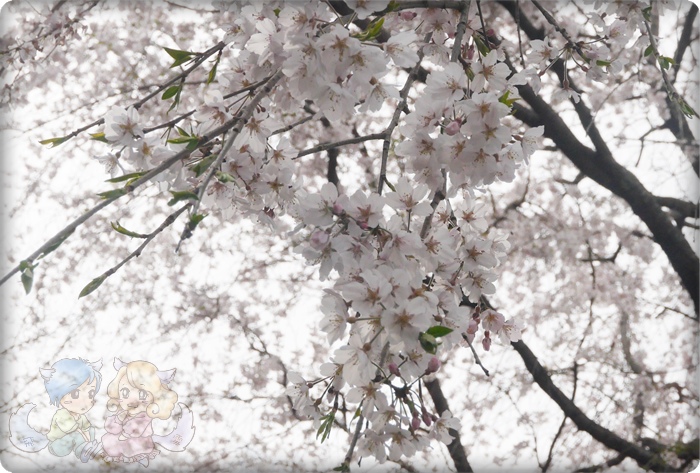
(338,144)
(147,239)
(461,29)
(397,113)
(477,360)
(243,117)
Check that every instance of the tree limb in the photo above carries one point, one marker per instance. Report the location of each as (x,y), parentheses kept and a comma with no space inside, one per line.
(600,166)
(644,458)
(455,448)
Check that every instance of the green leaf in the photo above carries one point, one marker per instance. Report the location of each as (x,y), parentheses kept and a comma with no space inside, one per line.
(182,195)
(99,137)
(438,331)
(53,142)
(428,342)
(648,50)
(647,13)
(342,468)
(118,228)
(687,110)
(665,62)
(393,5)
(212,73)
(57,243)
(176,101)
(194,220)
(192,141)
(326,425)
(27,275)
(170,92)
(181,131)
(27,280)
(506,101)
(92,285)
(372,30)
(603,63)
(480,44)
(202,165)
(192,145)
(224,177)
(375,28)
(113,194)
(179,55)
(127,177)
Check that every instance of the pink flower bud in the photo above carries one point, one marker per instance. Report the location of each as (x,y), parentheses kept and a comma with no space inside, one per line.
(486,342)
(319,240)
(407,15)
(394,369)
(473,327)
(415,423)
(470,52)
(337,209)
(433,365)
(470,337)
(453,128)
(363,225)
(427,420)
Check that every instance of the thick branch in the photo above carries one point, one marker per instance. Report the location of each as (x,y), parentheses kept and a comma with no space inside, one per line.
(645,459)
(612,462)
(338,144)
(455,448)
(600,166)
(684,40)
(683,207)
(677,123)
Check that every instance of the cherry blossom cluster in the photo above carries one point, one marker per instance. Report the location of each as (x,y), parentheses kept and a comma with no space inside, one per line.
(46,30)
(618,32)
(410,266)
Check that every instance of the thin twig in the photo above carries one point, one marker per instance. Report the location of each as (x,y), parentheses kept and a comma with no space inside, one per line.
(70,228)
(461,29)
(242,119)
(337,144)
(293,125)
(550,19)
(136,105)
(148,238)
(670,89)
(477,360)
(397,113)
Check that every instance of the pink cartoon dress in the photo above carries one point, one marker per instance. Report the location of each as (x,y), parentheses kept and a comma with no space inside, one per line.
(136,444)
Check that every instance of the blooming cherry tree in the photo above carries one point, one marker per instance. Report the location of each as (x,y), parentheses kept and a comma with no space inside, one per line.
(444,108)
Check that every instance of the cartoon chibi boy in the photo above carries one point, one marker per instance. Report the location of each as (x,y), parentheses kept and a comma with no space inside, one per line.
(71,384)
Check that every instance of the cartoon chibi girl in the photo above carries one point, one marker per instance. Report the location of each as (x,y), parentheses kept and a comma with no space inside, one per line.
(140,393)
(72,384)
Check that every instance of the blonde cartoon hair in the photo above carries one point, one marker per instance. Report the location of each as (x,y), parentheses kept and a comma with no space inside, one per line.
(144,375)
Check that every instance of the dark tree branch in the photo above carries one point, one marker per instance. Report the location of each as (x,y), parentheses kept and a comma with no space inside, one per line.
(455,448)
(600,166)
(677,123)
(550,455)
(644,458)
(593,469)
(683,207)
(684,40)
(332,174)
